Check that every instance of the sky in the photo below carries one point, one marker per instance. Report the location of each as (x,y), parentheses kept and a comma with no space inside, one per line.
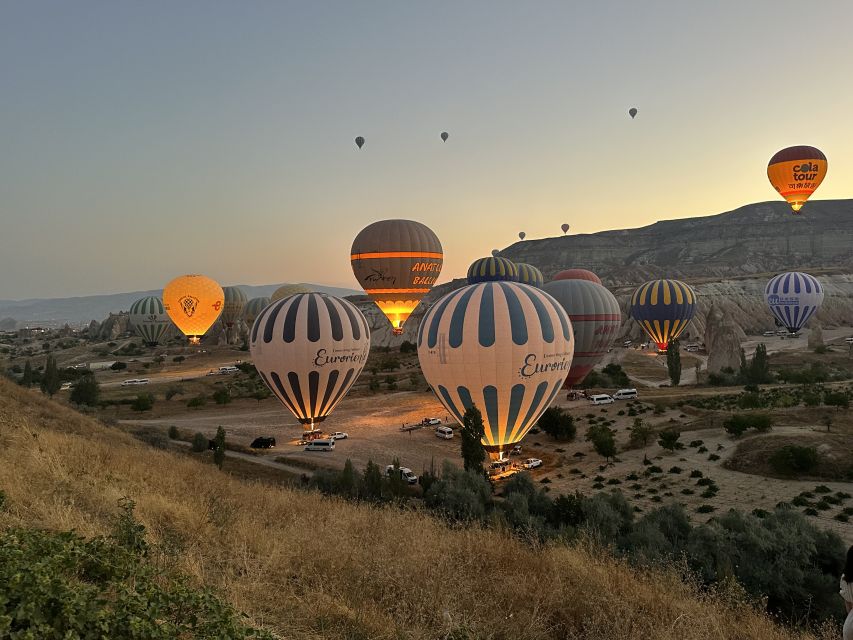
(141,141)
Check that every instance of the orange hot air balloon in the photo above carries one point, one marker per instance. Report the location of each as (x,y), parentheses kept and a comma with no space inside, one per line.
(194,303)
(796,172)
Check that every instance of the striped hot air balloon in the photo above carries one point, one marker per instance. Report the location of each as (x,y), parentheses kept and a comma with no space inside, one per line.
(528,274)
(492,269)
(793,298)
(193,302)
(309,349)
(149,319)
(253,309)
(396,262)
(596,319)
(577,274)
(232,308)
(501,346)
(663,308)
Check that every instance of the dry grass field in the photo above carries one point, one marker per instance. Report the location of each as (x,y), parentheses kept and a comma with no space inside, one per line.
(308,567)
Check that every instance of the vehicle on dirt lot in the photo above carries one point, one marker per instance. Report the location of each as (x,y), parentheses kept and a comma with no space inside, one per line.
(263,443)
(532,463)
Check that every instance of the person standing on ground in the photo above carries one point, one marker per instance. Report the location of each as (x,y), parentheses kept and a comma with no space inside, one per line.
(847,593)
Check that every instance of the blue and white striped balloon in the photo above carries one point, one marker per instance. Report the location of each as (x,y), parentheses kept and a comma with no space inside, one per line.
(505,347)
(793,297)
(309,349)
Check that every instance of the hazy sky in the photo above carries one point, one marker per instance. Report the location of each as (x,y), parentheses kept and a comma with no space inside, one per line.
(143,140)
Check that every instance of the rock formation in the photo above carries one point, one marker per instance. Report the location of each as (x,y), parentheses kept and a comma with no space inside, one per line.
(815,335)
(723,338)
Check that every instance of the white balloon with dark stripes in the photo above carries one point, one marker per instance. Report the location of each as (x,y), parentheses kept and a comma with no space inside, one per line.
(149,319)
(504,347)
(793,297)
(309,349)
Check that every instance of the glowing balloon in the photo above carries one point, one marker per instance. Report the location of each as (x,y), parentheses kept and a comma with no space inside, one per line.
(253,309)
(663,308)
(193,302)
(564,227)
(396,262)
(596,319)
(288,290)
(232,308)
(444,136)
(492,269)
(149,319)
(503,347)
(521,235)
(577,274)
(359,142)
(632,112)
(793,298)
(796,172)
(309,349)
(528,274)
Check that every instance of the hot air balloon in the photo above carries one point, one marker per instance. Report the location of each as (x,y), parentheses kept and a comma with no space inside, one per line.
(632,112)
(193,302)
(596,319)
(491,270)
(288,290)
(495,252)
(309,349)
(564,227)
(444,136)
(577,274)
(793,298)
(359,142)
(528,274)
(148,318)
(253,309)
(521,235)
(503,347)
(796,172)
(663,308)
(396,262)
(232,308)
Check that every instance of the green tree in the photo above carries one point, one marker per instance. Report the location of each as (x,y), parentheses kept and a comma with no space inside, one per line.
(837,399)
(558,424)
(222,396)
(143,402)
(669,439)
(603,440)
(174,433)
(199,443)
(219,450)
(372,481)
(472,433)
(673,362)
(759,367)
(348,480)
(641,433)
(86,391)
(27,378)
(50,382)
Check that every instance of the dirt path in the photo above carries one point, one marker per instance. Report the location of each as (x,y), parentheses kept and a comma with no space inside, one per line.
(263,461)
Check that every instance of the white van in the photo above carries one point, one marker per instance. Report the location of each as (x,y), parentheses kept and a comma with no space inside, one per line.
(625,394)
(601,398)
(224,371)
(320,445)
(446,433)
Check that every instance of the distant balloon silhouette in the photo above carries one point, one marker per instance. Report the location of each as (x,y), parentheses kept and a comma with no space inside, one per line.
(495,252)
(632,112)
(522,235)
(564,227)
(444,136)
(359,142)
(577,274)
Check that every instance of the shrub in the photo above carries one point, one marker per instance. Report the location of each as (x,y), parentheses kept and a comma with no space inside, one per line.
(199,443)
(178,359)
(675,470)
(740,422)
(822,488)
(696,443)
(669,439)
(86,391)
(713,457)
(222,396)
(558,424)
(143,402)
(792,460)
(195,403)
(705,508)
(174,433)
(696,473)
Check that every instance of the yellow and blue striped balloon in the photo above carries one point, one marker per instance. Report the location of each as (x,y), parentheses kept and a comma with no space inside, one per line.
(528,274)
(663,308)
(492,269)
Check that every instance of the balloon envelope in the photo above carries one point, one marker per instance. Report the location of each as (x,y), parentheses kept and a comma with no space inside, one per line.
(522,235)
(632,112)
(793,298)
(396,262)
(564,227)
(503,347)
(577,274)
(596,319)
(149,319)
(253,309)
(444,136)
(288,290)
(232,308)
(663,308)
(492,269)
(795,172)
(359,142)
(193,302)
(528,274)
(309,349)
(495,252)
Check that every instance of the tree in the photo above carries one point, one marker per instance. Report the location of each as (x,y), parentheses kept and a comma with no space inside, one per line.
(86,391)
(27,378)
(372,481)
(603,441)
(219,449)
(827,421)
(673,362)
(50,382)
(143,402)
(174,433)
(222,396)
(837,399)
(348,480)
(558,424)
(669,439)
(199,443)
(473,453)
(641,433)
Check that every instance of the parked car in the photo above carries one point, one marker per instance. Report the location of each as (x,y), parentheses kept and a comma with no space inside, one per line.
(499,467)
(532,463)
(515,451)
(323,444)
(135,381)
(406,474)
(446,433)
(65,386)
(625,394)
(429,422)
(601,398)
(849,340)
(263,443)
(769,334)
(691,348)
(627,343)
(339,435)
(227,370)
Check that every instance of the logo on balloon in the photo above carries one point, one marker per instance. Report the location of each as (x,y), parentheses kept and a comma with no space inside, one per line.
(350,356)
(774,299)
(532,367)
(803,171)
(378,276)
(188,305)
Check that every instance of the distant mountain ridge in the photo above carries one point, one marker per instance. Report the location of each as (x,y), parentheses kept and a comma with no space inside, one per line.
(80,310)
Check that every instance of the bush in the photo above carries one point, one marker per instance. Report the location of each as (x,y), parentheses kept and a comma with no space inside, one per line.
(669,439)
(118,366)
(792,460)
(174,433)
(705,508)
(195,403)
(199,443)
(86,391)
(675,470)
(740,422)
(558,424)
(143,402)
(222,396)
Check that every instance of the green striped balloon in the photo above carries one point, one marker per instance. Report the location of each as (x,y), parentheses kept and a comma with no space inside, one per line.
(149,319)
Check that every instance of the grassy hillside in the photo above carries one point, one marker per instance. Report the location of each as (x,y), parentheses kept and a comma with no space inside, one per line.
(308,567)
